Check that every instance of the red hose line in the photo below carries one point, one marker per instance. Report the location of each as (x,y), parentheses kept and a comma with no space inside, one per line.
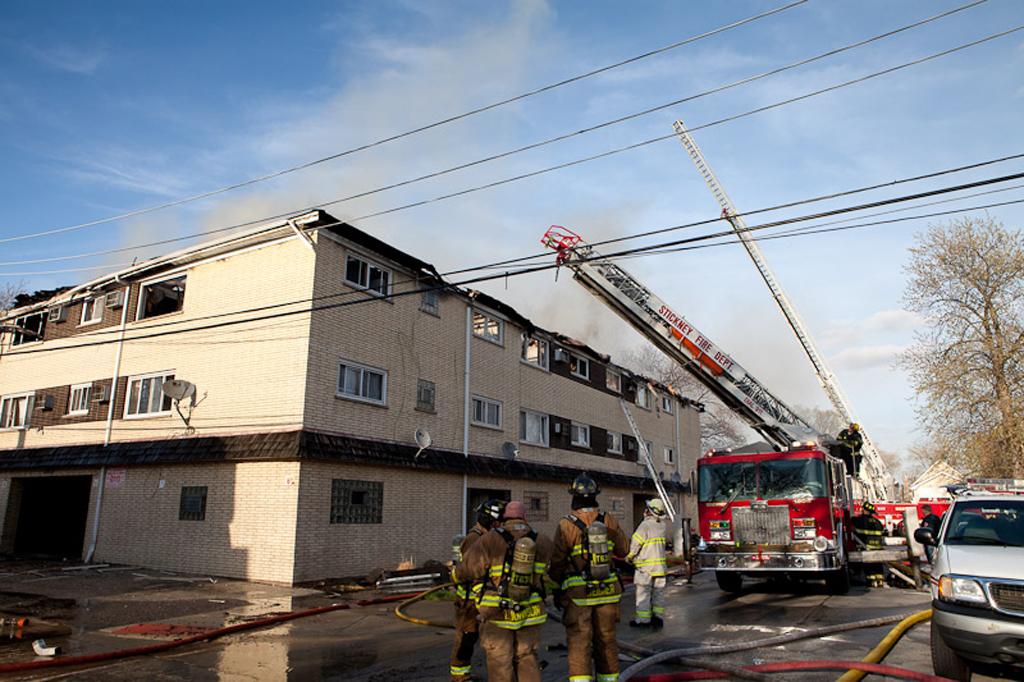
(213,634)
(789,666)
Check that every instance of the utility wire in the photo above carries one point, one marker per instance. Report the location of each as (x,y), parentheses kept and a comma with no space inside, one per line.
(414,131)
(536,145)
(364,297)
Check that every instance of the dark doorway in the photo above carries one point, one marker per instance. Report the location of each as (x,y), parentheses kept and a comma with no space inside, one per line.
(477,496)
(52,515)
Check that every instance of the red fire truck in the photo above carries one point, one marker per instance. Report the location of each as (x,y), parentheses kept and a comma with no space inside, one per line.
(783,507)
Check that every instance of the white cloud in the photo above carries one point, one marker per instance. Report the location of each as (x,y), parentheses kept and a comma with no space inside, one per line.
(867,357)
(79,60)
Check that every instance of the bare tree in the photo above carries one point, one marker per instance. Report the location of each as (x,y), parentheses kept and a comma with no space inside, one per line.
(967,279)
(8,292)
(719,426)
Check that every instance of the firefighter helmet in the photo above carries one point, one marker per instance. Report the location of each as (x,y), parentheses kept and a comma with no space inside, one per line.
(656,507)
(869,508)
(854,427)
(584,485)
(491,508)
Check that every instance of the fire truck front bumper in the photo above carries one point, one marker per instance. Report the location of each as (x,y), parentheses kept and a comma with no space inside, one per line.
(768,559)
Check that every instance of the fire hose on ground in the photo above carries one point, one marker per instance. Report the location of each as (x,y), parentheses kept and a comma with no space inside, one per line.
(211,635)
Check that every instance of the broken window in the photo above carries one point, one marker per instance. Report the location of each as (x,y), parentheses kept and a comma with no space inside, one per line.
(161,298)
(366,275)
(30,328)
(487,327)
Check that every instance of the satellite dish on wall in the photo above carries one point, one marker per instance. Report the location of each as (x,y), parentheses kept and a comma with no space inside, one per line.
(179,389)
(510,450)
(423,440)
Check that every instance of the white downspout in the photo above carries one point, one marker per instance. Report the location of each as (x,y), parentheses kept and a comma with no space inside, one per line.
(110,425)
(677,535)
(467,404)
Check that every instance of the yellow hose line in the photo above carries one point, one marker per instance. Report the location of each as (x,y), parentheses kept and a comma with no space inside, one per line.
(886,645)
(416,598)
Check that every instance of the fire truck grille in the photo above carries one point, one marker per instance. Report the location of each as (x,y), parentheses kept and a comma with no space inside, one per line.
(1008,597)
(766,526)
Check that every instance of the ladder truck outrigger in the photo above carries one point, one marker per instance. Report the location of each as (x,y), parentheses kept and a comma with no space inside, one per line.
(784,507)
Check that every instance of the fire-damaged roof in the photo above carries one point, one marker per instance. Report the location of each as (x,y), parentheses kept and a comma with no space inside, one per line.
(299,445)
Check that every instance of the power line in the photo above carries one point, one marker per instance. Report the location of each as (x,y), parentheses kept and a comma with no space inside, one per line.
(414,131)
(365,297)
(519,150)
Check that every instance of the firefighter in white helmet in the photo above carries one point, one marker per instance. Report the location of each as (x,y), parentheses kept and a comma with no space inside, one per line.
(647,553)
(511,561)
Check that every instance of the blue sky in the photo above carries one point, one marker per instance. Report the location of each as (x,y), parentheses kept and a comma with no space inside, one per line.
(111,108)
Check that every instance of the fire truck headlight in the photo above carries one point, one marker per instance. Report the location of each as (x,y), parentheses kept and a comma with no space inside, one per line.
(804,533)
(820,544)
(720,535)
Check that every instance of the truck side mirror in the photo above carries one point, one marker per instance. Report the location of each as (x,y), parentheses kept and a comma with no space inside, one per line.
(925,537)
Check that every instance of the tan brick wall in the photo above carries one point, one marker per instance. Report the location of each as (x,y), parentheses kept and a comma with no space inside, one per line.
(248,531)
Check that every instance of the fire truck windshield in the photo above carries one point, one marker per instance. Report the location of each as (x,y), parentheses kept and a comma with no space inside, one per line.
(776,479)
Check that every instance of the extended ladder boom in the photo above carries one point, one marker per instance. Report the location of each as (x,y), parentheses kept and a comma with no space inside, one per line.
(681,341)
(873,470)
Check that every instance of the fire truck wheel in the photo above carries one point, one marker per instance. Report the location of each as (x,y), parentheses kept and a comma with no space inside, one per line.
(729,581)
(838,582)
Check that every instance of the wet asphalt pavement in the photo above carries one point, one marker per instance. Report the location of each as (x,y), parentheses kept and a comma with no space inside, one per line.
(121,623)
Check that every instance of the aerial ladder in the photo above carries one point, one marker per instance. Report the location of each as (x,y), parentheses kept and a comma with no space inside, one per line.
(874,472)
(669,331)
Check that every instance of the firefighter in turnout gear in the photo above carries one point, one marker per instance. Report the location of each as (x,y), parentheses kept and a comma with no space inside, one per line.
(510,561)
(850,443)
(488,516)
(647,553)
(589,589)
(870,531)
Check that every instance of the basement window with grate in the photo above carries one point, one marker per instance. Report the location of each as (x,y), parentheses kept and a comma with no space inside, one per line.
(193,503)
(356,501)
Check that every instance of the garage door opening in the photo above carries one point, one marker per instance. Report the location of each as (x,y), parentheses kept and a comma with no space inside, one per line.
(49,516)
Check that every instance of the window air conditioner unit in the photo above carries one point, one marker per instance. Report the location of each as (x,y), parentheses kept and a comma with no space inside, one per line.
(115,299)
(44,402)
(101,394)
(561,355)
(58,314)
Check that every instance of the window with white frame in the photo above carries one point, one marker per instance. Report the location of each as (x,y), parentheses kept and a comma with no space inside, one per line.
(579,366)
(486,412)
(666,404)
(29,329)
(533,427)
(580,435)
(615,442)
(146,395)
(92,310)
(487,327)
(160,298)
(366,275)
(362,382)
(430,301)
(78,402)
(643,397)
(670,456)
(613,380)
(14,411)
(535,352)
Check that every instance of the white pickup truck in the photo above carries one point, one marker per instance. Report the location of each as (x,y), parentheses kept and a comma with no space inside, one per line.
(977,585)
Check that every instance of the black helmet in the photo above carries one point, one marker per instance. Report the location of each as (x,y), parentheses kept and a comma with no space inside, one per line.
(584,485)
(869,508)
(491,508)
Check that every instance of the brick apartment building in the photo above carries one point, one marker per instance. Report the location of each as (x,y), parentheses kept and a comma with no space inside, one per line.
(311,362)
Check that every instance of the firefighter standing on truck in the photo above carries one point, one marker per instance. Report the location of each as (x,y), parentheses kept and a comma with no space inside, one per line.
(510,561)
(870,531)
(589,589)
(467,629)
(851,441)
(647,553)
